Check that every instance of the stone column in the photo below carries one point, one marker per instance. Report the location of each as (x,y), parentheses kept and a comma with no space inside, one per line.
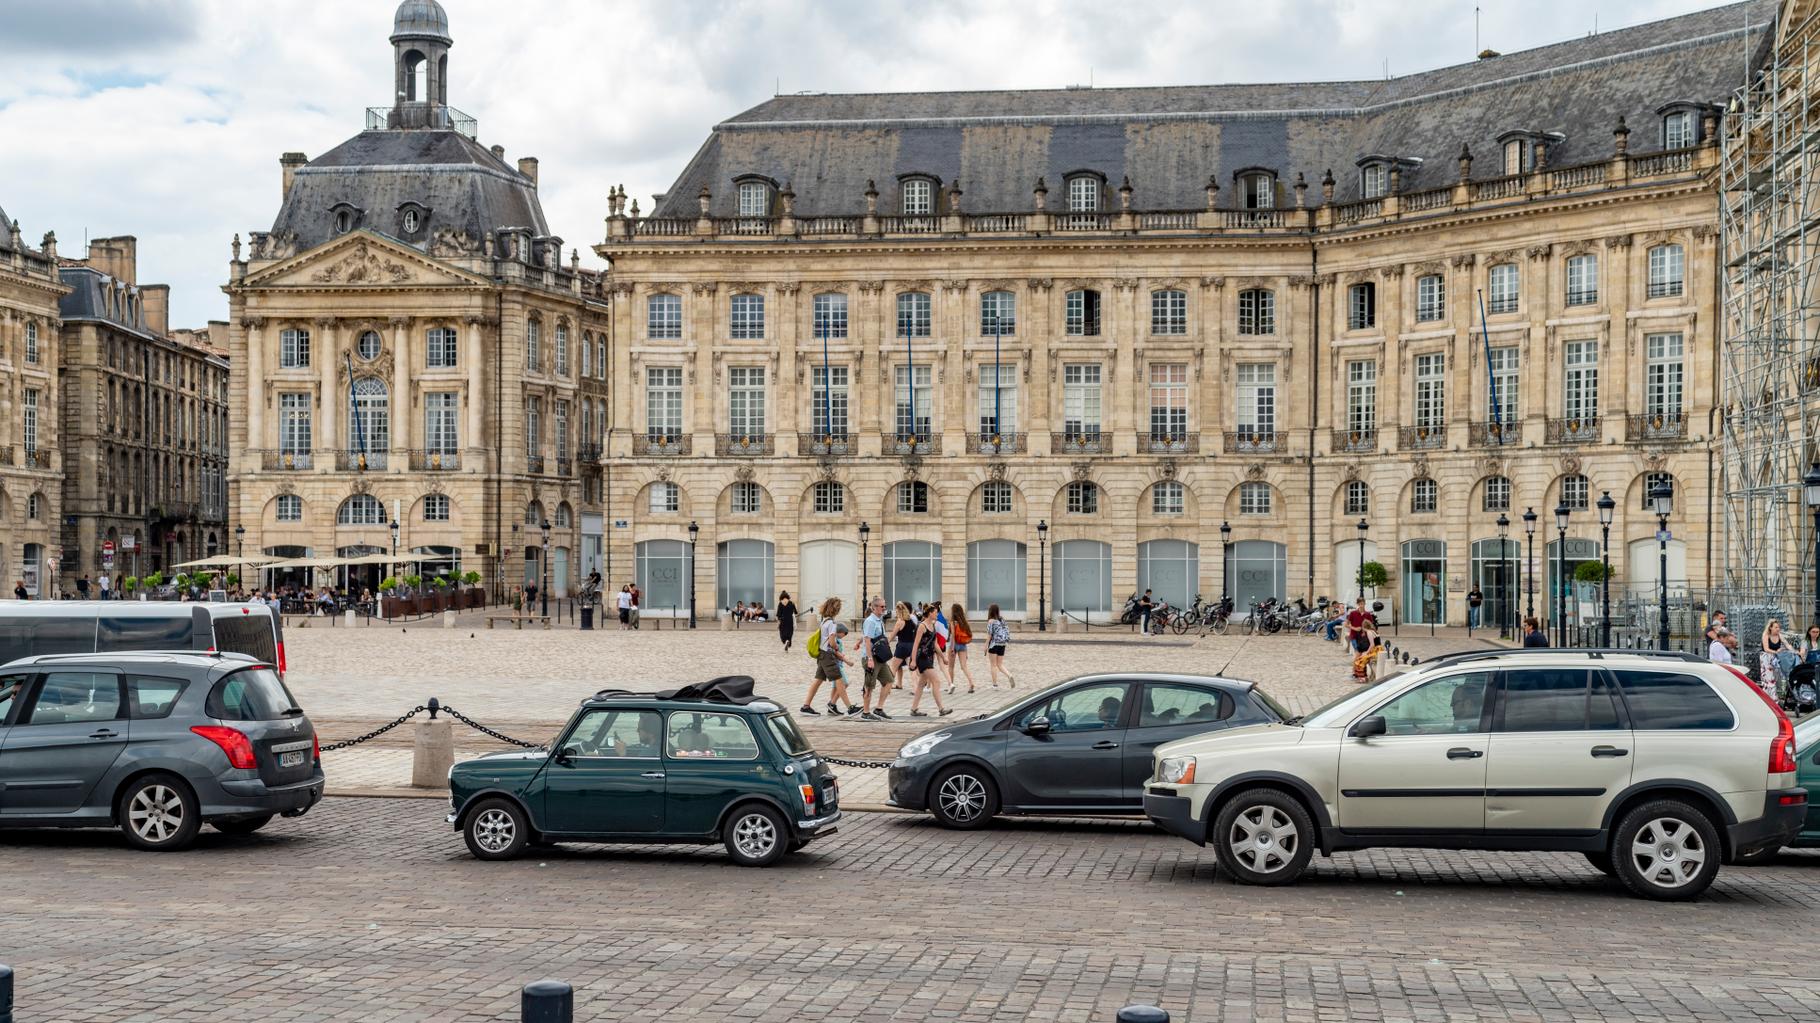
(328,355)
(1118,413)
(473,430)
(699,413)
(403,398)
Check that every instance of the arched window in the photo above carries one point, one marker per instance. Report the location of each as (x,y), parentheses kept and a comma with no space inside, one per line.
(1374,180)
(747,319)
(410,221)
(361,510)
(998,314)
(1667,271)
(748,498)
(344,221)
(368,345)
(442,346)
(666,498)
(1257,311)
(1497,494)
(565,517)
(995,498)
(1083,498)
(370,425)
(1424,496)
(534,514)
(1168,312)
(663,317)
(1258,190)
(830,498)
(1254,498)
(1678,129)
(1358,498)
(290,508)
(1168,498)
(913,314)
(1083,313)
(917,198)
(436,508)
(913,497)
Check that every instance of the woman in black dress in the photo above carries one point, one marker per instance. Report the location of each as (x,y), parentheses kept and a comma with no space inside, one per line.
(786,618)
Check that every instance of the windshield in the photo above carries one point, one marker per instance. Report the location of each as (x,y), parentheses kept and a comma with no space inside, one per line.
(784,730)
(1340,711)
(251,694)
(1263,697)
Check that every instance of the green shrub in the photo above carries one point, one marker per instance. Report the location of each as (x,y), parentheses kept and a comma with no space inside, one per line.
(1372,575)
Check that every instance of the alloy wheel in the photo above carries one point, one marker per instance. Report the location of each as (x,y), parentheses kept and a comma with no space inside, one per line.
(1668,852)
(156,813)
(494,830)
(962,798)
(755,836)
(1264,839)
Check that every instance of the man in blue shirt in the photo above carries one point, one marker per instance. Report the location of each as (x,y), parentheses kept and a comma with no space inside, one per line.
(877,659)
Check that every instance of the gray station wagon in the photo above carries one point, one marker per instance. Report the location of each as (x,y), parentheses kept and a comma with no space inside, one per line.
(154,743)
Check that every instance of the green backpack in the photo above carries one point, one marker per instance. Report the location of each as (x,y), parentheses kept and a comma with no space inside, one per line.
(814,647)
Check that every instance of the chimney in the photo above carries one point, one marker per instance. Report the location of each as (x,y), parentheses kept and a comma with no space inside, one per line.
(290,162)
(527,165)
(155,302)
(499,153)
(116,257)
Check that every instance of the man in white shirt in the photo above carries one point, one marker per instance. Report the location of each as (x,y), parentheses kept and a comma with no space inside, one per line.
(1720,652)
(625,607)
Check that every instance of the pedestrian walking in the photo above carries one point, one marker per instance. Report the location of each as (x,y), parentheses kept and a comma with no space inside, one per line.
(942,639)
(1532,633)
(960,635)
(1146,604)
(1358,621)
(998,637)
(838,693)
(530,598)
(923,648)
(19,591)
(636,594)
(1474,599)
(786,618)
(827,666)
(624,600)
(82,586)
(106,586)
(903,632)
(877,657)
(1772,670)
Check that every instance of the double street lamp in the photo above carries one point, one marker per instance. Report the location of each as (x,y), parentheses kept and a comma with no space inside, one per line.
(1810,490)
(694,530)
(1606,507)
(1662,503)
(1042,566)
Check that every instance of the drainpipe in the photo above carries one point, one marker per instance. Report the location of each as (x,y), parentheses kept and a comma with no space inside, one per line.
(1315,363)
(499,372)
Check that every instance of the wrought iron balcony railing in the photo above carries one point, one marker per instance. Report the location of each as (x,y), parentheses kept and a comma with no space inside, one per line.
(999,443)
(285,461)
(435,461)
(534,464)
(1421,438)
(822,443)
(1573,431)
(912,444)
(1494,435)
(662,444)
(1656,426)
(744,445)
(1360,441)
(359,461)
(1084,442)
(565,466)
(1250,442)
(1166,442)
(37,459)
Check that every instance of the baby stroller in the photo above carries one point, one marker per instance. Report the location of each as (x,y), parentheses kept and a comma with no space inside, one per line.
(1802,693)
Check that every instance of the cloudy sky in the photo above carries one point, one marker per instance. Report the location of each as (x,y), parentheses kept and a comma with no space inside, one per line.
(164,118)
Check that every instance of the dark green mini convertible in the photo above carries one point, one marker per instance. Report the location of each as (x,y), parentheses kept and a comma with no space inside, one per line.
(702,764)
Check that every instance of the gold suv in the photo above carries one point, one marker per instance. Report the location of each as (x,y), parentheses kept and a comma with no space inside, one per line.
(1657,766)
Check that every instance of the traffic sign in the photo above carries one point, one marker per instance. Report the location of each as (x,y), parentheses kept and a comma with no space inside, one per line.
(129,542)
(107,548)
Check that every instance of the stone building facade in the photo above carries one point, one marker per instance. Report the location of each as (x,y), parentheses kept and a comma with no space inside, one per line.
(411,348)
(145,424)
(31,460)
(1061,346)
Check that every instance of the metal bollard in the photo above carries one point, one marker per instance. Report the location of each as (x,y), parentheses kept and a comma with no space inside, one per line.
(1142,1014)
(6,994)
(543,1001)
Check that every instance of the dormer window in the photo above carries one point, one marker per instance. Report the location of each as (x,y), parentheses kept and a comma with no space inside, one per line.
(346,216)
(1257,190)
(754,199)
(1084,193)
(412,219)
(1374,181)
(1519,146)
(1518,156)
(1678,130)
(917,198)
(410,222)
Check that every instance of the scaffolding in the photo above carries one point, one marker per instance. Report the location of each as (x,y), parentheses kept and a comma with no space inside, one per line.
(1769,359)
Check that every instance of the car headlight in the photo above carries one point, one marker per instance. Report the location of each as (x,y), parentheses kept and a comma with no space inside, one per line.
(1175,771)
(919,746)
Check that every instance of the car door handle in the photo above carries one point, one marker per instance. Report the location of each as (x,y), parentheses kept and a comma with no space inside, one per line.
(1462,753)
(1609,751)
(1103,744)
(652,774)
(103,733)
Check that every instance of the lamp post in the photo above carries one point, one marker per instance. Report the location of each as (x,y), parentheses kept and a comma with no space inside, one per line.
(1559,594)
(1042,567)
(1363,526)
(1662,502)
(1606,507)
(1503,576)
(544,575)
(1810,490)
(393,567)
(865,563)
(1529,561)
(1225,539)
(694,530)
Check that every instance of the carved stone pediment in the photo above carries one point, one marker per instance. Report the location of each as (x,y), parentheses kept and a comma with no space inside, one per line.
(363,266)
(1570,464)
(1418,467)
(745,474)
(995,471)
(1081,470)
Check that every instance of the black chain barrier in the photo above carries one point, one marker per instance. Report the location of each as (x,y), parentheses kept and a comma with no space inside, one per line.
(478,727)
(838,762)
(434,708)
(375,733)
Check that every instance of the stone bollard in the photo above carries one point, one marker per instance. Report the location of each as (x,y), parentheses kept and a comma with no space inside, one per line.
(1142,1014)
(1063,624)
(547,1001)
(726,621)
(6,994)
(432,752)
(349,617)
(448,619)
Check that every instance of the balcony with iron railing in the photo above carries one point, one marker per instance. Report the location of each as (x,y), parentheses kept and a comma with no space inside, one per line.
(359,461)
(1078,442)
(661,444)
(1362,440)
(912,444)
(1656,426)
(1169,442)
(435,461)
(998,443)
(588,454)
(1573,431)
(285,461)
(32,459)
(565,466)
(6,456)
(1495,435)
(1250,441)
(744,445)
(534,464)
(1421,438)
(824,443)
(422,116)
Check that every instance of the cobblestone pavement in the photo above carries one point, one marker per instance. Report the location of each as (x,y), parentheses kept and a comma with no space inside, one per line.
(371,910)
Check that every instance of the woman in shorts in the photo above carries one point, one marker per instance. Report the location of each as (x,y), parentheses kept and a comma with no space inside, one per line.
(924,657)
(827,662)
(960,636)
(998,637)
(902,632)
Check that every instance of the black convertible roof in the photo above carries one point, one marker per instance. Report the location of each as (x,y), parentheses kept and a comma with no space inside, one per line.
(729,689)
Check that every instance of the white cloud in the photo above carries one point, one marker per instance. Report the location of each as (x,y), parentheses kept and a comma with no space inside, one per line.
(166,120)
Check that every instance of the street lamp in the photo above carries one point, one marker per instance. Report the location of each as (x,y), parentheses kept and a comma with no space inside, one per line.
(394,565)
(1559,594)
(1662,502)
(1042,567)
(1810,490)
(865,533)
(694,530)
(1503,576)
(544,576)
(1225,539)
(1606,507)
(1363,526)
(1529,561)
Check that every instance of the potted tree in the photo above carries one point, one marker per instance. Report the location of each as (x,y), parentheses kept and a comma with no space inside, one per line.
(476,596)
(1587,577)
(153,582)
(418,602)
(131,585)
(388,600)
(180,585)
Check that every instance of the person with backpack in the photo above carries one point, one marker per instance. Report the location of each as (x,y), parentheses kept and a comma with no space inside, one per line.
(821,648)
(926,656)
(960,635)
(942,638)
(838,691)
(998,637)
(877,658)
(903,630)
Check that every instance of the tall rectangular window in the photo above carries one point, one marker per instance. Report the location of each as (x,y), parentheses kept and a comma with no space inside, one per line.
(754,199)
(442,345)
(31,421)
(998,314)
(913,314)
(1169,312)
(441,411)
(1082,313)
(1580,386)
(1508,384)
(293,348)
(1362,306)
(663,402)
(562,428)
(1667,271)
(600,359)
(1083,194)
(830,315)
(1582,280)
(1501,291)
(1169,400)
(663,317)
(828,392)
(1257,311)
(998,400)
(914,400)
(31,341)
(294,430)
(587,355)
(1081,399)
(746,401)
(1662,379)
(1431,391)
(562,349)
(533,426)
(1431,298)
(1257,399)
(747,317)
(1374,180)
(1678,130)
(1362,396)
(918,197)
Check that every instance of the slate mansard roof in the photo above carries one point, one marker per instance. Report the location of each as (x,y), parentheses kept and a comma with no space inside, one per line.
(458,185)
(1168,140)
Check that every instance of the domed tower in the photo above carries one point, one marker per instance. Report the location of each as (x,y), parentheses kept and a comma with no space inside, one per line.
(420,65)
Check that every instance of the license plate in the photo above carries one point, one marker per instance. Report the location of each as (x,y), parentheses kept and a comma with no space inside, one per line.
(291,759)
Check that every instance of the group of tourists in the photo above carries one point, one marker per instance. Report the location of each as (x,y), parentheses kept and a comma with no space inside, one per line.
(919,645)
(1362,640)
(1777,654)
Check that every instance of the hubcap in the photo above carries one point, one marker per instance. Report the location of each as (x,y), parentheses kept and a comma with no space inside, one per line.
(754,836)
(156,813)
(962,797)
(1668,852)
(1264,839)
(494,830)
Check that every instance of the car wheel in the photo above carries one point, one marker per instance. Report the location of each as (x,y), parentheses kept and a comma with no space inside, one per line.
(1263,837)
(159,813)
(242,825)
(1760,857)
(1665,850)
(1601,862)
(963,798)
(756,835)
(496,830)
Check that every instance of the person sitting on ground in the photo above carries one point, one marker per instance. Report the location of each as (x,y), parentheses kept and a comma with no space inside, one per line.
(758,612)
(739,611)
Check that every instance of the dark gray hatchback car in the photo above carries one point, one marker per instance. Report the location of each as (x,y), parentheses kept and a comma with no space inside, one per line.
(156,744)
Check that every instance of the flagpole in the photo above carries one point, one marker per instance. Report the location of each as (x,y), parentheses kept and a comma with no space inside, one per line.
(1497,416)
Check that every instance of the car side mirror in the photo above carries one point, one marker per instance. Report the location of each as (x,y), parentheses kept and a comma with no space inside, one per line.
(1037,727)
(567,753)
(1370,726)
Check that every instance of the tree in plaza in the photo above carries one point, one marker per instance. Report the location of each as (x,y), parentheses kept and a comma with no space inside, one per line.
(1372,575)
(388,584)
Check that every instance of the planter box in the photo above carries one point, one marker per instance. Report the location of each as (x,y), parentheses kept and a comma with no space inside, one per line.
(477,597)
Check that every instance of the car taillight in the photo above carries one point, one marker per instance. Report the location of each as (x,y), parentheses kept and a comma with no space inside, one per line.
(281,661)
(808,792)
(1782,748)
(315,749)
(236,745)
